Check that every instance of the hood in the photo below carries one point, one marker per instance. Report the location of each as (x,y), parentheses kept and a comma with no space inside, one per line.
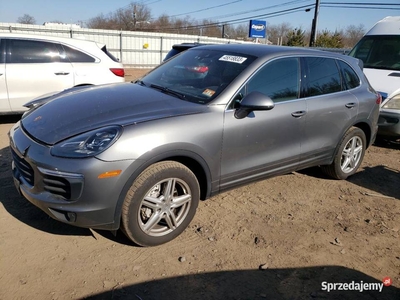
(65,115)
(386,82)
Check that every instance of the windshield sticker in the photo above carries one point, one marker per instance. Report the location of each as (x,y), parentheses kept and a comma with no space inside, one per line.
(234,59)
(208,92)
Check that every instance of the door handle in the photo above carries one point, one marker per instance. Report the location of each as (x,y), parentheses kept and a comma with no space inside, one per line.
(298,114)
(350,105)
(61,73)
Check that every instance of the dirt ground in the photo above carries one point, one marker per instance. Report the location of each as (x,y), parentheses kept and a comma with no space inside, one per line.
(281,238)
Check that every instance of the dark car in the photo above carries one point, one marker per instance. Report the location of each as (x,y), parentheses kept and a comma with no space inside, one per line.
(178,48)
(141,155)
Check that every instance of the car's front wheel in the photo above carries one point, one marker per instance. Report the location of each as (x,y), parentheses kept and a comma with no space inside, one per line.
(160,203)
(349,155)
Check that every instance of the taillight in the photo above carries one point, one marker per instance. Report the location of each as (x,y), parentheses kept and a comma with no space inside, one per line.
(378,98)
(197,69)
(118,71)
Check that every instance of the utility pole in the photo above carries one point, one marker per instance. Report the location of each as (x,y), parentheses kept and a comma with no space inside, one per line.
(314,25)
(134,16)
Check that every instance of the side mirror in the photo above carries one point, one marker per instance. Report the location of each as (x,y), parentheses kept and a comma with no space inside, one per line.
(252,102)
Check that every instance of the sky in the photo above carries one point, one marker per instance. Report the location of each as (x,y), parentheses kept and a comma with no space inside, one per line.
(329,18)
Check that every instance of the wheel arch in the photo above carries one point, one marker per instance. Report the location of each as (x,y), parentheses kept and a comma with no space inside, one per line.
(83,85)
(364,126)
(191,160)
(198,170)
(340,168)
(367,131)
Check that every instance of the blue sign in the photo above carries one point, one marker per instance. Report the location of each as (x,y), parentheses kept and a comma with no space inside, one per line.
(257,28)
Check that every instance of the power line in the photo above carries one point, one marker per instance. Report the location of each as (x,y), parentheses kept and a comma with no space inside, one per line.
(361,3)
(282,12)
(362,7)
(240,20)
(277,14)
(208,8)
(258,9)
(155,1)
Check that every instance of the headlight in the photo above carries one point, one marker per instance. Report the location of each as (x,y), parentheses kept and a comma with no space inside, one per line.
(87,144)
(393,103)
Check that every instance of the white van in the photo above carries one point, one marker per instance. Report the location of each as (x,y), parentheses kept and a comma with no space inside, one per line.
(379,49)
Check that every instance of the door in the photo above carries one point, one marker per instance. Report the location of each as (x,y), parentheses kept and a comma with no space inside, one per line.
(330,109)
(265,142)
(35,68)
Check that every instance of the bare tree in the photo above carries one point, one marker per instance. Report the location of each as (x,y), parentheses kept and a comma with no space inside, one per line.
(100,22)
(162,24)
(211,28)
(141,13)
(191,26)
(353,34)
(130,18)
(241,31)
(125,19)
(279,33)
(26,19)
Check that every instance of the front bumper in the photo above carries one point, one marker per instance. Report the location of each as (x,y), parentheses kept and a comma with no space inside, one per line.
(68,190)
(389,124)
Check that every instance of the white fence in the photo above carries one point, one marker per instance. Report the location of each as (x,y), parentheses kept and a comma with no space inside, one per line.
(133,48)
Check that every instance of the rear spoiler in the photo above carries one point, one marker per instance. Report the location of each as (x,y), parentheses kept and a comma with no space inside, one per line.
(360,64)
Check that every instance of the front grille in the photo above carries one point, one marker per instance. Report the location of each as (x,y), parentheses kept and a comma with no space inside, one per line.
(24,168)
(57,185)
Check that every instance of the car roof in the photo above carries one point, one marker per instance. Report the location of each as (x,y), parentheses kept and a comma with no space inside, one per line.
(386,26)
(264,51)
(66,40)
(270,51)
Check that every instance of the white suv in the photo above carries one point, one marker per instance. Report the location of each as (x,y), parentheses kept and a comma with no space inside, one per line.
(33,65)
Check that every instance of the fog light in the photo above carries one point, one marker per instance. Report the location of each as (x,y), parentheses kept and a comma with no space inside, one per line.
(70,216)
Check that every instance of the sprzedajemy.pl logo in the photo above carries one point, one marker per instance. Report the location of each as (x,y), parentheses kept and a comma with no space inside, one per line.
(356,286)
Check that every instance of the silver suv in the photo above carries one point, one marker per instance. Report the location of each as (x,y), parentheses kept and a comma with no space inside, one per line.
(141,155)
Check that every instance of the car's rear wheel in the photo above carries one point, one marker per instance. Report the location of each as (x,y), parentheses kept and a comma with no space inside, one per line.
(160,204)
(349,155)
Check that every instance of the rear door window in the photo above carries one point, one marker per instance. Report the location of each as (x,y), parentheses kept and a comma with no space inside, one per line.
(350,78)
(76,56)
(323,76)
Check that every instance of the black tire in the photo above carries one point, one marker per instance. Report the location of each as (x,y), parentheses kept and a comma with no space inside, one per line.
(151,212)
(349,155)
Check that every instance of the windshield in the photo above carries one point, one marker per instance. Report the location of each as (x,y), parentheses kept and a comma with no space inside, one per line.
(379,51)
(197,75)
